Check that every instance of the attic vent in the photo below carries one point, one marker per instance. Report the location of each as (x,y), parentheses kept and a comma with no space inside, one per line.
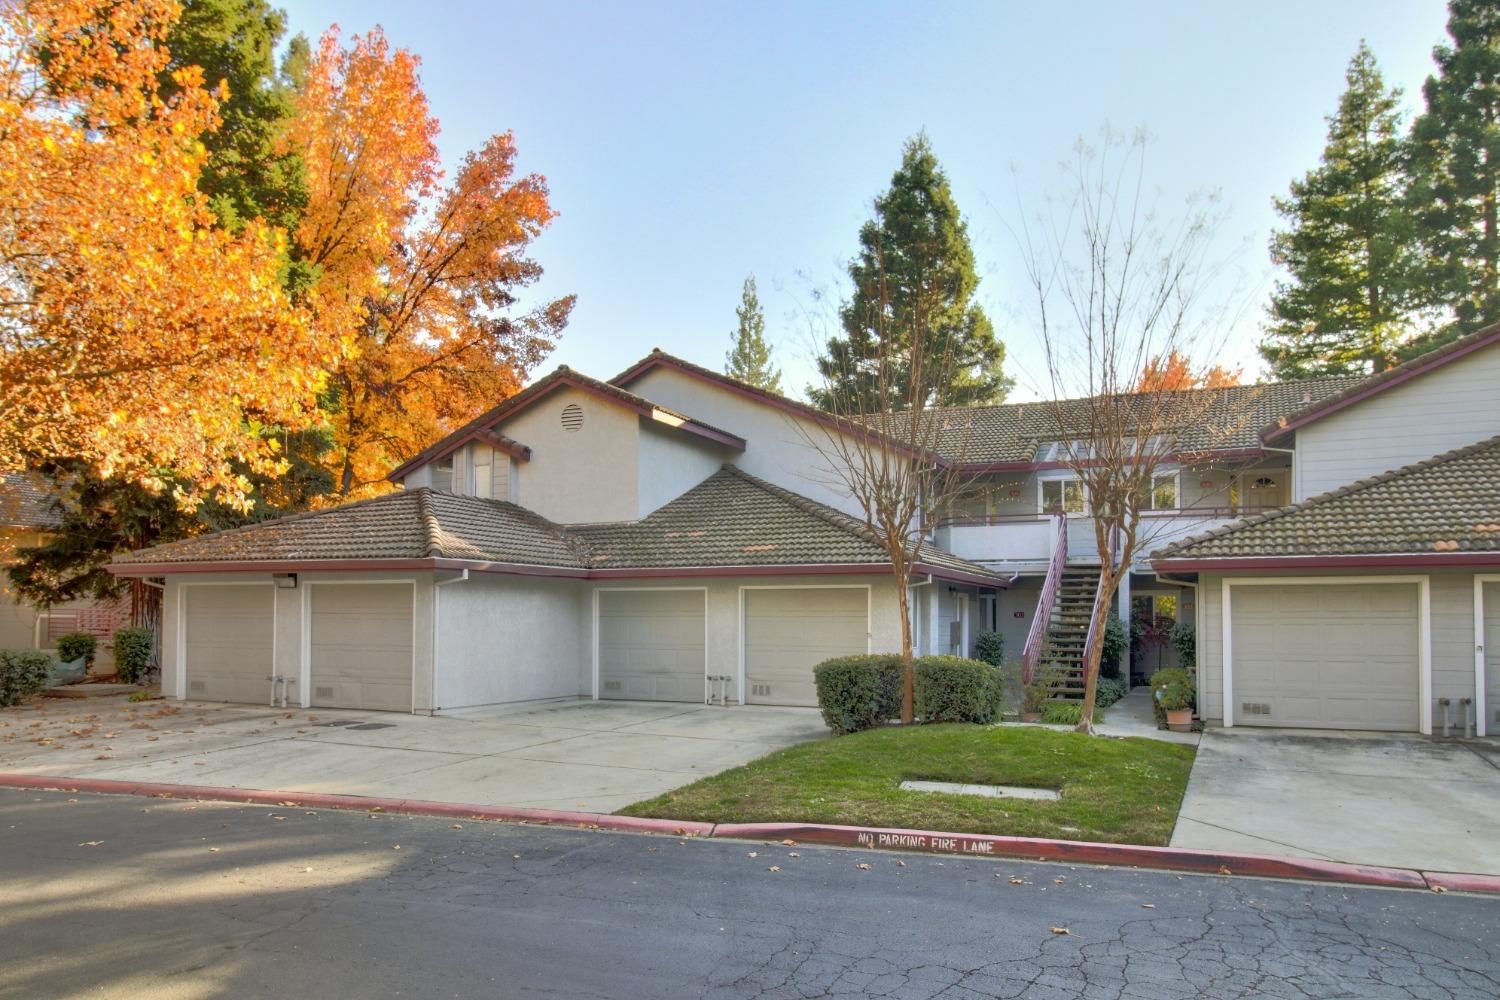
(1254,708)
(572,417)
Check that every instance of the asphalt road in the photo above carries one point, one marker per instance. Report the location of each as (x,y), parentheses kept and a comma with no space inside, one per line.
(119,896)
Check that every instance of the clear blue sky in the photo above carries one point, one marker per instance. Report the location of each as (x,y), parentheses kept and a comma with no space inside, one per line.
(688,145)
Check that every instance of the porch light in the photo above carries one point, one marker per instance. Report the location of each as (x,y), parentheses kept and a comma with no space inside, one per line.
(285,581)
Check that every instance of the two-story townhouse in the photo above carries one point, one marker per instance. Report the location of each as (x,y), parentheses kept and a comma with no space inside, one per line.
(670,535)
(1373,600)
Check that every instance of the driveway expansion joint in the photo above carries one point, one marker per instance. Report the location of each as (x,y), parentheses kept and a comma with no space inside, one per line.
(922,841)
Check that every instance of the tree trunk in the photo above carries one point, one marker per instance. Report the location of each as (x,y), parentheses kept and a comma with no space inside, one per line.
(1092,652)
(908,685)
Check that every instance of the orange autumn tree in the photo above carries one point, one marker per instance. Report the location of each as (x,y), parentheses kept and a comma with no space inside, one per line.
(426,278)
(136,336)
(1174,372)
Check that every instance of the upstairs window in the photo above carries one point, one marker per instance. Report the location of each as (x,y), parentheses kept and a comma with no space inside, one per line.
(1064,495)
(442,474)
(1163,494)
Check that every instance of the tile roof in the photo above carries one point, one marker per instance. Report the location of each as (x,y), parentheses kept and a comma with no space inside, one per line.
(1449,503)
(1232,419)
(735,519)
(562,375)
(26,502)
(731,519)
(1371,384)
(404,525)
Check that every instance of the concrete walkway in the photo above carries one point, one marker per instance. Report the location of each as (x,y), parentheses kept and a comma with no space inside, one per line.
(1132,715)
(589,756)
(1353,797)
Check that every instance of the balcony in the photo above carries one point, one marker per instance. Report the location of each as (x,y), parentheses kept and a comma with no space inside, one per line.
(1023,542)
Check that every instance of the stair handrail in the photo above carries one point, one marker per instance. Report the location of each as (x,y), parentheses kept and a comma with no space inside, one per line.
(1036,639)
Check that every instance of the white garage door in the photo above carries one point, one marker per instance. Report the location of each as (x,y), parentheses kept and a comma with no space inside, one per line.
(1326,656)
(229,636)
(361,646)
(788,632)
(1492,657)
(651,644)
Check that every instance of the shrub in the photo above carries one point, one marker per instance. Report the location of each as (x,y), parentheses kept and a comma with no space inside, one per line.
(77,646)
(1170,677)
(990,647)
(133,648)
(1175,696)
(859,692)
(1185,641)
(1109,691)
(1064,713)
(23,672)
(1116,641)
(956,689)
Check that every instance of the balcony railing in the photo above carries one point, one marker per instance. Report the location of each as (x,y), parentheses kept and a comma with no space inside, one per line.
(1028,538)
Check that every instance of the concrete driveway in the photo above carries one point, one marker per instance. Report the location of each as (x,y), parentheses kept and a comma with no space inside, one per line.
(1362,798)
(593,756)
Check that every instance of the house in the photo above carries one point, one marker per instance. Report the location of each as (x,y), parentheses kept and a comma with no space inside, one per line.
(28,516)
(672,531)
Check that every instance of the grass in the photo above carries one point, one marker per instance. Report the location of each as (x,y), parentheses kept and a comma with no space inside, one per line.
(1119,791)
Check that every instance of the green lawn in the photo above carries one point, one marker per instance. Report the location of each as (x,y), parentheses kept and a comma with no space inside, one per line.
(1121,791)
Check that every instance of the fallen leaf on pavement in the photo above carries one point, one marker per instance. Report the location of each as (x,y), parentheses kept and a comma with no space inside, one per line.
(753,854)
(395,847)
(862,867)
(1224,870)
(789,843)
(460,826)
(213,850)
(1148,906)
(1061,930)
(1016,881)
(91,843)
(774,868)
(793,854)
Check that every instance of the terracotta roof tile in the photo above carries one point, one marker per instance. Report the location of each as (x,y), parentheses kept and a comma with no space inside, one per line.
(1449,503)
(27,502)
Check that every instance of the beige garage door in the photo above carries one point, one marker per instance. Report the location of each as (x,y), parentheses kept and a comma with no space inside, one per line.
(228,631)
(361,646)
(651,644)
(788,632)
(1326,656)
(1492,657)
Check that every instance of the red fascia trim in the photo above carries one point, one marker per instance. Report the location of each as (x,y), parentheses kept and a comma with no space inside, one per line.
(768,399)
(1277,431)
(1435,560)
(526,569)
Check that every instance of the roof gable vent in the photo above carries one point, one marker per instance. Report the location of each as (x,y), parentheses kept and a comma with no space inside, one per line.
(572,417)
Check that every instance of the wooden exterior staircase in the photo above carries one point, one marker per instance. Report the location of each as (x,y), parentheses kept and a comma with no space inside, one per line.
(1067,631)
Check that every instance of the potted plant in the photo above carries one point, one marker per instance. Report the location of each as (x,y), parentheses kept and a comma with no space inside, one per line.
(1176,700)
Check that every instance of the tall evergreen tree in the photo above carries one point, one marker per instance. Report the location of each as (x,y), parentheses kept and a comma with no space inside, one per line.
(750,359)
(1350,245)
(914,271)
(1456,167)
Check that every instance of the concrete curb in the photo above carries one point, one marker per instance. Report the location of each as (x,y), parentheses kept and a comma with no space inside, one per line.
(361,803)
(923,841)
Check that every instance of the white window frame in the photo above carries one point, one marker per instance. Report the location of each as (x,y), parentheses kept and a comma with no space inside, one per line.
(1424,631)
(706,653)
(1481,710)
(1176,476)
(1061,477)
(744,636)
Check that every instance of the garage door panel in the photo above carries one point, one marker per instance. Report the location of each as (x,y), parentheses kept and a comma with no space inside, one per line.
(651,645)
(229,640)
(1326,656)
(788,632)
(361,646)
(1492,657)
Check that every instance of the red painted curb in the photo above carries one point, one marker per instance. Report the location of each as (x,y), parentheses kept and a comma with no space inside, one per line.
(1463,882)
(362,803)
(1081,852)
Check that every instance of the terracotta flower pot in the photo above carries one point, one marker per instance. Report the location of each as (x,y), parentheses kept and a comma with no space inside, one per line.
(1180,720)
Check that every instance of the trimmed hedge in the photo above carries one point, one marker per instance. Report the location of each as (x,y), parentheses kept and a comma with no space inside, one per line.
(77,646)
(990,647)
(133,648)
(859,692)
(23,672)
(1109,691)
(957,689)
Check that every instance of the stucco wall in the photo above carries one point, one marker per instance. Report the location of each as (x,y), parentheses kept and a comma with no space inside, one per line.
(289,625)
(591,474)
(505,639)
(1449,407)
(673,462)
(1452,594)
(775,450)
